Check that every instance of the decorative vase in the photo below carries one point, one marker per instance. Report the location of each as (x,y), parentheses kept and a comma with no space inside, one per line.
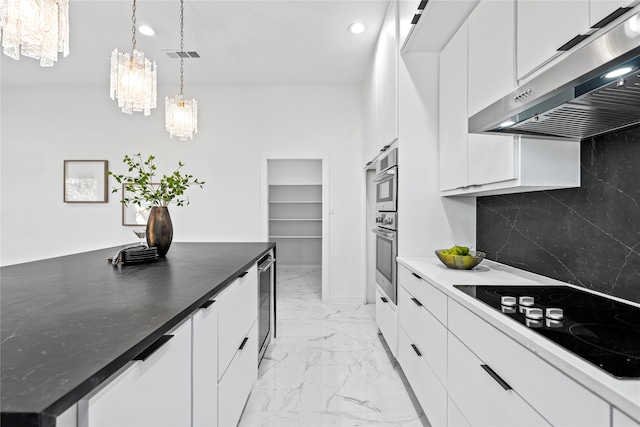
(159,229)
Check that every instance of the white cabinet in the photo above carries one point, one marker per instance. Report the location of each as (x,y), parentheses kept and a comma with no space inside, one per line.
(559,399)
(621,419)
(155,392)
(386,64)
(431,394)
(205,365)
(387,320)
(483,400)
(237,311)
(453,114)
(454,416)
(545,26)
(234,387)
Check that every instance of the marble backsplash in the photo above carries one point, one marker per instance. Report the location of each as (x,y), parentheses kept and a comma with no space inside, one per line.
(588,236)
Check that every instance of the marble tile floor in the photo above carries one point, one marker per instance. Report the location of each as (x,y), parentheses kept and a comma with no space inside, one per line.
(328,366)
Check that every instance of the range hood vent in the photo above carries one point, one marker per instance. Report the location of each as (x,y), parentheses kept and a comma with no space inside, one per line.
(575,99)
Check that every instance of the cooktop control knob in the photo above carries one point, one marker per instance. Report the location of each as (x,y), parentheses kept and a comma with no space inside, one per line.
(378,220)
(555,313)
(508,301)
(388,221)
(533,313)
(525,301)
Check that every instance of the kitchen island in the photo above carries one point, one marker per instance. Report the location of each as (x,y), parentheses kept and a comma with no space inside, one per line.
(72,322)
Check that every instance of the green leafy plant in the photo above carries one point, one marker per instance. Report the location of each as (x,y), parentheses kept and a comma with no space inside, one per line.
(140,184)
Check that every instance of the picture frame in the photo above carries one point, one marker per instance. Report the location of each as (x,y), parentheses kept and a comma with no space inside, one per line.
(134,215)
(85,181)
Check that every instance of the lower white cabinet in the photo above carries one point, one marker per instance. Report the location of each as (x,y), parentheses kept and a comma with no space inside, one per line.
(237,381)
(387,321)
(155,392)
(205,365)
(623,420)
(454,416)
(430,393)
(482,399)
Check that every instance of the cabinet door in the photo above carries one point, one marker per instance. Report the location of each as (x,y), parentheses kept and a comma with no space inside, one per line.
(205,366)
(235,386)
(238,310)
(387,57)
(155,392)
(453,112)
(544,26)
(480,398)
(623,420)
(600,9)
(387,321)
(428,390)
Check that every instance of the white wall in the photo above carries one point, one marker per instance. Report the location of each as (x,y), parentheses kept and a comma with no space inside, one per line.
(41,127)
(426,221)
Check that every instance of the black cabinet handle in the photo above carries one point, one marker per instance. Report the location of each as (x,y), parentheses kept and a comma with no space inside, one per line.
(571,43)
(416,350)
(496,377)
(418,303)
(384,300)
(613,15)
(415,275)
(243,274)
(207,304)
(244,341)
(146,353)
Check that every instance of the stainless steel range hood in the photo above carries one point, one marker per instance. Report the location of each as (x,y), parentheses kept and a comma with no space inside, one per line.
(573,99)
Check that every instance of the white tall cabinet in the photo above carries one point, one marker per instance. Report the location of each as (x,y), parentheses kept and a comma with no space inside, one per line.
(295,210)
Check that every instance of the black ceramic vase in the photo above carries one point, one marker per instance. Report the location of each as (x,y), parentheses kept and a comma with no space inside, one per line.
(159,229)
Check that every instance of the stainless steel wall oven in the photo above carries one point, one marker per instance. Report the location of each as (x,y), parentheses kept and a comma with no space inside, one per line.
(266,295)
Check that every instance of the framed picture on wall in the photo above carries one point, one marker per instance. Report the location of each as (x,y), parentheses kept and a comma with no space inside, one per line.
(85,181)
(134,214)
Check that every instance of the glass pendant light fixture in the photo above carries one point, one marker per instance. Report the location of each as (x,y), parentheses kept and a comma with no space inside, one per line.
(35,28)
(133,77)
(181,115)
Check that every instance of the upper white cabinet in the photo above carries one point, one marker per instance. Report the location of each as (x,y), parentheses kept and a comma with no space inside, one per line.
(600,9)
(382,87)
(545,26)
(453,114)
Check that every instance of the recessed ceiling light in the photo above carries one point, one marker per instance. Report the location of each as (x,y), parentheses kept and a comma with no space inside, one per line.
(617,73)
(507,123)
(146,30)
(356,28)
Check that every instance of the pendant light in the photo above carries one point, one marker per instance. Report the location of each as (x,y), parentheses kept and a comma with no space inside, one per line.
(35,28)
(181,115)
(133,77)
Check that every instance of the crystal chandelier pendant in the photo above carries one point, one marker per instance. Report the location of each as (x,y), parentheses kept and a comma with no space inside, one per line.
(181,117)
(133,78)
(133,81)
(35,28)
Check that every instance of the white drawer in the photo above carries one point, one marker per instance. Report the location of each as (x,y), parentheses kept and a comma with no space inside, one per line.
(237,310)
(431,298)
(480,398)
(430,393)
(623,420)
(235,386)
(558,398)
(387,321)
(429,335)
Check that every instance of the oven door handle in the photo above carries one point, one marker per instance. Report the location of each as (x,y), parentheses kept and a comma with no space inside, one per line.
(387,234)
(266,267)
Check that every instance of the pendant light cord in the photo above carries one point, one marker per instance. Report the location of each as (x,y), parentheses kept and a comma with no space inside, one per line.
(181,46)
(133,25)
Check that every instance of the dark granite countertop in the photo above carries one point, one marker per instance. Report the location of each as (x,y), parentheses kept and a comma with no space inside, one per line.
(68,323)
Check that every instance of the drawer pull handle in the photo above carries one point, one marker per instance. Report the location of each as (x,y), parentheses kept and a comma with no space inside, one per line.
(244,341)
(243,274)
(496,377)
(384,300)
(416,350)
(416,275)
(418,303)
(207,304)
(146,353)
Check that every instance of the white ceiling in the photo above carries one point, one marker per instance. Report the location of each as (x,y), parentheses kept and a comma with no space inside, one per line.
(240,42)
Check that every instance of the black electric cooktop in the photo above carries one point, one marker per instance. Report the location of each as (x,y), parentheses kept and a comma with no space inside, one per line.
(600,330)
